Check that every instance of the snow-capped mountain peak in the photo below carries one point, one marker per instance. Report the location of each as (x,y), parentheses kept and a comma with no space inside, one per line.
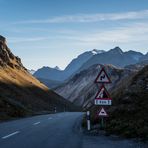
(96,51)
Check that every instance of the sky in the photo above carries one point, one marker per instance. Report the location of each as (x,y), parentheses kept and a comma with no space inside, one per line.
(53,32)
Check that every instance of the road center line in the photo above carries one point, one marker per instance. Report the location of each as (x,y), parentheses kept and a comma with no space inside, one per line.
(36,123)
(12,134)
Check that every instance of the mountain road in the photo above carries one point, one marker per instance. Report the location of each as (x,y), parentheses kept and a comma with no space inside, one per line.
(61,130)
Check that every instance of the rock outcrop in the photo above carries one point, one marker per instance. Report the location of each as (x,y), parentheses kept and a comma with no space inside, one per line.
(6,56)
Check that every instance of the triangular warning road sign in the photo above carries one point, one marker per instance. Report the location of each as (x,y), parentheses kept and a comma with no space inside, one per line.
(103,112)
(103,94)
(102,77)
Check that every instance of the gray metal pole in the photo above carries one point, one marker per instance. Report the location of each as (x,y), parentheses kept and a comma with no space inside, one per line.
(102,122)
(88,120)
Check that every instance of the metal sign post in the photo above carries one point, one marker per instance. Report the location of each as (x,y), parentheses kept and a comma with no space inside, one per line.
(88,120)
(102,113)
(102,123)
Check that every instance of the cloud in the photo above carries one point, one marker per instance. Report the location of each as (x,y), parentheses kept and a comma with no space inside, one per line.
(26,39)
(129,34)
(89,18)
(135,32)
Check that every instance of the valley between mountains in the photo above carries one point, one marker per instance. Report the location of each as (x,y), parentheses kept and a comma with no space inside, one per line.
(48,90)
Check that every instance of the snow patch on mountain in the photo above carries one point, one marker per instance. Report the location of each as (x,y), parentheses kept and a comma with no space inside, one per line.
(96,51)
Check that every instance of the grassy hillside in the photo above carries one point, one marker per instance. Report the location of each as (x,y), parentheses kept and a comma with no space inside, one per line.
(128,114)
(21,93)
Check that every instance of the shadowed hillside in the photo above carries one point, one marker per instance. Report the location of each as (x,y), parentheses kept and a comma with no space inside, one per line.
(22,94)
(128,114)
(131,101)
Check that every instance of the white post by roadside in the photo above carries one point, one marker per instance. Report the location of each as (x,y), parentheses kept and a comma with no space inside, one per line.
(88,120)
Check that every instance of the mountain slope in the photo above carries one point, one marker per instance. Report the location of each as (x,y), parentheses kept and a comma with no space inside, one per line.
(50,83)
(81,89)
(138,66)
(144,58)
(130,101)
(21,93)
(80,60)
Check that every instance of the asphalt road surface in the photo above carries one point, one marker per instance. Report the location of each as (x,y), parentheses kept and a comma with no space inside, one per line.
(60,130)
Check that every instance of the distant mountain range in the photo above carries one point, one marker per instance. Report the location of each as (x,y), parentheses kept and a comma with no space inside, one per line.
(114,56)
(50,83)
(61,75)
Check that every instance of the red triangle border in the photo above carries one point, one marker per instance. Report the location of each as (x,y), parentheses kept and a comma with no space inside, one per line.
(99,76)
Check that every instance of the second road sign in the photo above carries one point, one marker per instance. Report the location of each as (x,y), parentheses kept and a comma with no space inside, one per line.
(102,97)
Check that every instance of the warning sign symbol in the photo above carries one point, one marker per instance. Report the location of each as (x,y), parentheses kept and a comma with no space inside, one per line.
(102,94)
(103,113)
(102,77)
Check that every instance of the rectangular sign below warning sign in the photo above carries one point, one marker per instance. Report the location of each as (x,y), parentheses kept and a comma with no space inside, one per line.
(103,102)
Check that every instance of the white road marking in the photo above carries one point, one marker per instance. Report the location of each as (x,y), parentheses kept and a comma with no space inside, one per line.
(36,123)
(49,118)
(12,134)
